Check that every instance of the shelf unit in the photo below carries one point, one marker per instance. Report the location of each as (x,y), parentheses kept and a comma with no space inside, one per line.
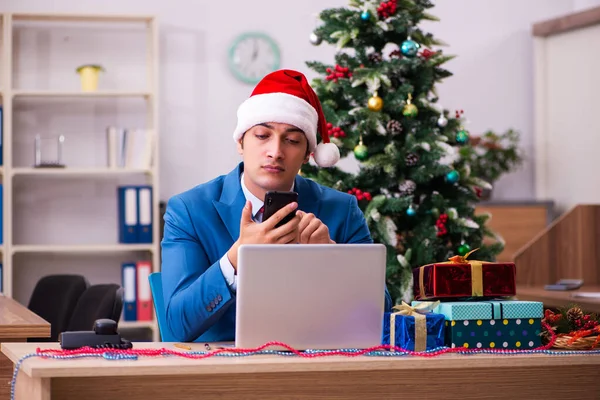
(11,171)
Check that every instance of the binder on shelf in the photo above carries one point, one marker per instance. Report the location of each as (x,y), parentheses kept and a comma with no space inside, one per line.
(129,278)
(128,214)
(1,280)
(1,213)
(144,296)
(145,214)
(1,135)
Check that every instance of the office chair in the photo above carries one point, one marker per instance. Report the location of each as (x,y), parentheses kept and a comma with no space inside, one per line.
(54,298)
(97,302)
(159,307)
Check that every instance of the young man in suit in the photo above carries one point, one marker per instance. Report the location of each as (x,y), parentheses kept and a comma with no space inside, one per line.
(276,133)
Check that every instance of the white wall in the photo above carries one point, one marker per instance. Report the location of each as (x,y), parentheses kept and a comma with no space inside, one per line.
(492,78)
(492,82)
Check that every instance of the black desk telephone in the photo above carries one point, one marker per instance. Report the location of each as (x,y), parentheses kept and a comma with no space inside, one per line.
(104,335)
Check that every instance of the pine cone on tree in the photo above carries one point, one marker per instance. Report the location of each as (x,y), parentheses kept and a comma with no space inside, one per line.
(375,58)
(411,159)
(394,127)
(407,188)
(574,314)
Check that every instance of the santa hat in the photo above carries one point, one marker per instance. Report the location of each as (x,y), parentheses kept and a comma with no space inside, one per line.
(285,96)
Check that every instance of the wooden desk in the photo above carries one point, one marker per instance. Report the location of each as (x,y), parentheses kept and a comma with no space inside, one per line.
(448,377)
(17,324)
(558,299)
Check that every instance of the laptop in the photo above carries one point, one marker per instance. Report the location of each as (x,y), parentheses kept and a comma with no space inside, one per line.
(318,297)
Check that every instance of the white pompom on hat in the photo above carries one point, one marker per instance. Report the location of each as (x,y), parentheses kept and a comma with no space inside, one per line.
(285,96)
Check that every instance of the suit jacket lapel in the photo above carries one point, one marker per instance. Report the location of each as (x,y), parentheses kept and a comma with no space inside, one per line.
(308,198)
(232,200)
(230,204)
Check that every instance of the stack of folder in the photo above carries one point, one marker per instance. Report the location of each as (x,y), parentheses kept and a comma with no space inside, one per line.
(137,298)
(135,214)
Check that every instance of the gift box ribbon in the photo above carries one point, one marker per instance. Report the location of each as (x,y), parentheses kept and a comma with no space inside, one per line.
(476,273)
(418,312)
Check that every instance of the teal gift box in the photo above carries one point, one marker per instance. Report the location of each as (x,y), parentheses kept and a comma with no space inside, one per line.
(502,324)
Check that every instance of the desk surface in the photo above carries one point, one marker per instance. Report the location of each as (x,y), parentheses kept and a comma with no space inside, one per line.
(95,367)
(553,298)
(18,322)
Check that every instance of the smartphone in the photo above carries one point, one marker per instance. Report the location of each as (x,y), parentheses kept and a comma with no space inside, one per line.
(565,284)
(275,201)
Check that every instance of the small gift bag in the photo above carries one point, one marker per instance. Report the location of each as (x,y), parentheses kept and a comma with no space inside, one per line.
(414,328)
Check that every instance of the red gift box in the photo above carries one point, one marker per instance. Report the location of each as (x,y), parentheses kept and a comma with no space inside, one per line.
(460,277)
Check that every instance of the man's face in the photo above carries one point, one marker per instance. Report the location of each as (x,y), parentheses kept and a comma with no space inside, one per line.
(273,154)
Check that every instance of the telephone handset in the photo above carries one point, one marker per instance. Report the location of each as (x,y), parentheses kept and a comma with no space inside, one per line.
(104,335)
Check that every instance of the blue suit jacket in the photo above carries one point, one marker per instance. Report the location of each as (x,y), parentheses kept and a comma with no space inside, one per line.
(202,223)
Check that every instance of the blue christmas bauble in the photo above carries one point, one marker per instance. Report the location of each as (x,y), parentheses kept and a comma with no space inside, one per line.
(452,176)
(462,137)
(365,15)
(411,211)
(409,48)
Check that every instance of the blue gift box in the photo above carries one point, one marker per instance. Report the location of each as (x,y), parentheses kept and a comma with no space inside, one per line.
(404,336)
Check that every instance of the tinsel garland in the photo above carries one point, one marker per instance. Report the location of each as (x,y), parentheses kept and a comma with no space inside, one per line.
(376,351)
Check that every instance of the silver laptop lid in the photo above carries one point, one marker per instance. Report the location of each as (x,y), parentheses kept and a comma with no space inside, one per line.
(310,296)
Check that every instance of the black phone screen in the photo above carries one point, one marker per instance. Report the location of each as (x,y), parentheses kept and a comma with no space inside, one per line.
(275,201)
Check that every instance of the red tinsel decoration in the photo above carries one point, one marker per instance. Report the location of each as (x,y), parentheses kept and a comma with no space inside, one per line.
(387,9)
(335,131)
(395,54)
(360,195)
(337,73)
(441,225)
(148,352)
(427,54)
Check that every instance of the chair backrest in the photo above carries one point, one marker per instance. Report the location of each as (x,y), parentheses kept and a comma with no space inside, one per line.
(97,302)
(54,298)
(159,307)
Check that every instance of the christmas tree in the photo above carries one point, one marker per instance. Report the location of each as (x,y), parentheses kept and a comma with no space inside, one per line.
(379,98)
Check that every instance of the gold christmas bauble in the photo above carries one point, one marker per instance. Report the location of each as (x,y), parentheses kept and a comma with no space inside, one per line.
(375,103)
(410,110)
(361,152)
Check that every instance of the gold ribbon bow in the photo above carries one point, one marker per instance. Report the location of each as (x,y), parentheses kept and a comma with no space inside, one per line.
(418,312)
(476,273)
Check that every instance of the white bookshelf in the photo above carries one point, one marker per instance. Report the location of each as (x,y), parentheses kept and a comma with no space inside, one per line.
(99,172)
(58,94)
(82,249)
(19,176)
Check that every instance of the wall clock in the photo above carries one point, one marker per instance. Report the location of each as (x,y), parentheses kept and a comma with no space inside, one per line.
(252,56)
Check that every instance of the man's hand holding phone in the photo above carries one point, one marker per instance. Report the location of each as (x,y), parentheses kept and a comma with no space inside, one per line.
(312,230)
(265,232)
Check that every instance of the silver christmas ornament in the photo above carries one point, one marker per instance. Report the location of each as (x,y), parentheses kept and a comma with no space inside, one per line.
(315,39)
(442,121)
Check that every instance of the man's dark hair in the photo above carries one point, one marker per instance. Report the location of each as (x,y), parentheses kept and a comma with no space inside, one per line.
(244,135)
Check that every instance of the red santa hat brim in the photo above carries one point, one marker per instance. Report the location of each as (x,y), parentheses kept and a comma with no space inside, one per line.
(285,97)
(278,107)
